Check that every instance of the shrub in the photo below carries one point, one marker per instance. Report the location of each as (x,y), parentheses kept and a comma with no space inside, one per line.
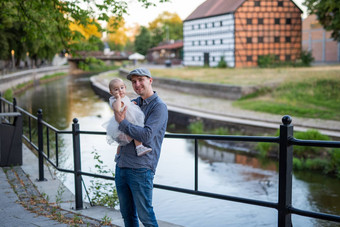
(222,63)
(309,152)
(196,127)
(265,61)
(8,94)
(306,58)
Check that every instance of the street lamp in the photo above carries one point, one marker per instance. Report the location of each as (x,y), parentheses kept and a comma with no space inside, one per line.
(27,59)
(12,52)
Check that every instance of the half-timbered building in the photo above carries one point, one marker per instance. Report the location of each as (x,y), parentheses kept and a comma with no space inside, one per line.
(239,31)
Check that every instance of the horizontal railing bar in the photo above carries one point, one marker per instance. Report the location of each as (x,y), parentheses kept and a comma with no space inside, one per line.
(206,194)
(27,113)
(314,143)
(219,196)
(230,138)
(92,132)
(323,216)
(32,144)
(55,166)
(50,126)
(96,175)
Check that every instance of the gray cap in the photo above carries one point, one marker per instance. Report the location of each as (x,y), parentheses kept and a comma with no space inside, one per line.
(139,72)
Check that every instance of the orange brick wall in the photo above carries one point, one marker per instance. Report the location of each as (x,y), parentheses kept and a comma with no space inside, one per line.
(282,39)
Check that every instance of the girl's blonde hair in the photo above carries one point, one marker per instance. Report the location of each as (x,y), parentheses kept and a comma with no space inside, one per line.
(114,81)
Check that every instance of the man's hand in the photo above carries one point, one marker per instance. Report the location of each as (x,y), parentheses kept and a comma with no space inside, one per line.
(120,116)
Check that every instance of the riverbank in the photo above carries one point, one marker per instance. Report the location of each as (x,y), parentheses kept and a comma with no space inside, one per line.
(12,80)
(186,108)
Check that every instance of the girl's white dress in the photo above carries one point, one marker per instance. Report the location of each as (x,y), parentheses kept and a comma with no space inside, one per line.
(133,114)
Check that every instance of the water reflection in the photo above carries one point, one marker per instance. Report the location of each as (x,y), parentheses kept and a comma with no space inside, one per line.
(220,171)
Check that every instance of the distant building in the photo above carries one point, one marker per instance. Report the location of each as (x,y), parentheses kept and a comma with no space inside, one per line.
(317,40)
(241,31)
(172,51)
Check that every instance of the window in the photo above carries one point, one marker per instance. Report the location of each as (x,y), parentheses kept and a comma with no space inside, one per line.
(276,39)
(249,40)
(221,41)
(199,58)
(288,21)
(193,43)
(193,27)
(288,39)
(257,3)
(221,23)
(277,21)
(199,26)
(249,58)
(287,57)
(206,25)
(260,21)
(206,42)
(249,21)
(193,58)
(213,58)
(199,42)
(280,3)
(260,39)
(213,42)
(277,57)
(213,24)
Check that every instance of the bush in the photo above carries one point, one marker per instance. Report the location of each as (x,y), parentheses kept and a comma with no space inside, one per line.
(265,61)
(196,127)
(306,58)
(8,94)
(92,64)
(222,63)
(309,152)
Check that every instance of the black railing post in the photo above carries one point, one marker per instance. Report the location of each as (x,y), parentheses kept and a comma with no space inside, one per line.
(40,146)
(14,105)
(77,165)
(285,173)
(0,103)
(196,165)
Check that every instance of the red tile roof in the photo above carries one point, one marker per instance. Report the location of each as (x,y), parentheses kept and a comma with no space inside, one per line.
(214,8)
(169,46)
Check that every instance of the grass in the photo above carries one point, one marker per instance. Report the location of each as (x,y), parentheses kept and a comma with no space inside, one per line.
(246,76)
(315,97)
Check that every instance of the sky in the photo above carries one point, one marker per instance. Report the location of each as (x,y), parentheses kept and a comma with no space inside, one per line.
(183,8)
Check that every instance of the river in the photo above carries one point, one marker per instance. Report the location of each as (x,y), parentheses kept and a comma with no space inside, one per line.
(224,172)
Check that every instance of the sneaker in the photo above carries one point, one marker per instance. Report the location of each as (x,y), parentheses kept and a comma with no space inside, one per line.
(141,150)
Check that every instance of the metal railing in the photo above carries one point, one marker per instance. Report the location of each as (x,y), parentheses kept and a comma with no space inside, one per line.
(285,140)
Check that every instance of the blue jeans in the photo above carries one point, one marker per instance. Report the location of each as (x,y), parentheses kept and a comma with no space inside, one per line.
(134,188)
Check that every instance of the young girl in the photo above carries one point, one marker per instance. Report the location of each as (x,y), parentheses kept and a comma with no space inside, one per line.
(118,101)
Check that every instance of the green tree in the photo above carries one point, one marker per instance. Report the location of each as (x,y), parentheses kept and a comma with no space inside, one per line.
(42,28)
(143,41)
(165,27)
(328,13)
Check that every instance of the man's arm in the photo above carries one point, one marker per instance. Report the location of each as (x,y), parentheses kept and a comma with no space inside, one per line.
(154,121)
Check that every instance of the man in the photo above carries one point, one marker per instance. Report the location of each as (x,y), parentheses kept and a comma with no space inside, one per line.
(134,174)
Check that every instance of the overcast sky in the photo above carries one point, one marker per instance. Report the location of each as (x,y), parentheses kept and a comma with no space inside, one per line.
(183,8)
